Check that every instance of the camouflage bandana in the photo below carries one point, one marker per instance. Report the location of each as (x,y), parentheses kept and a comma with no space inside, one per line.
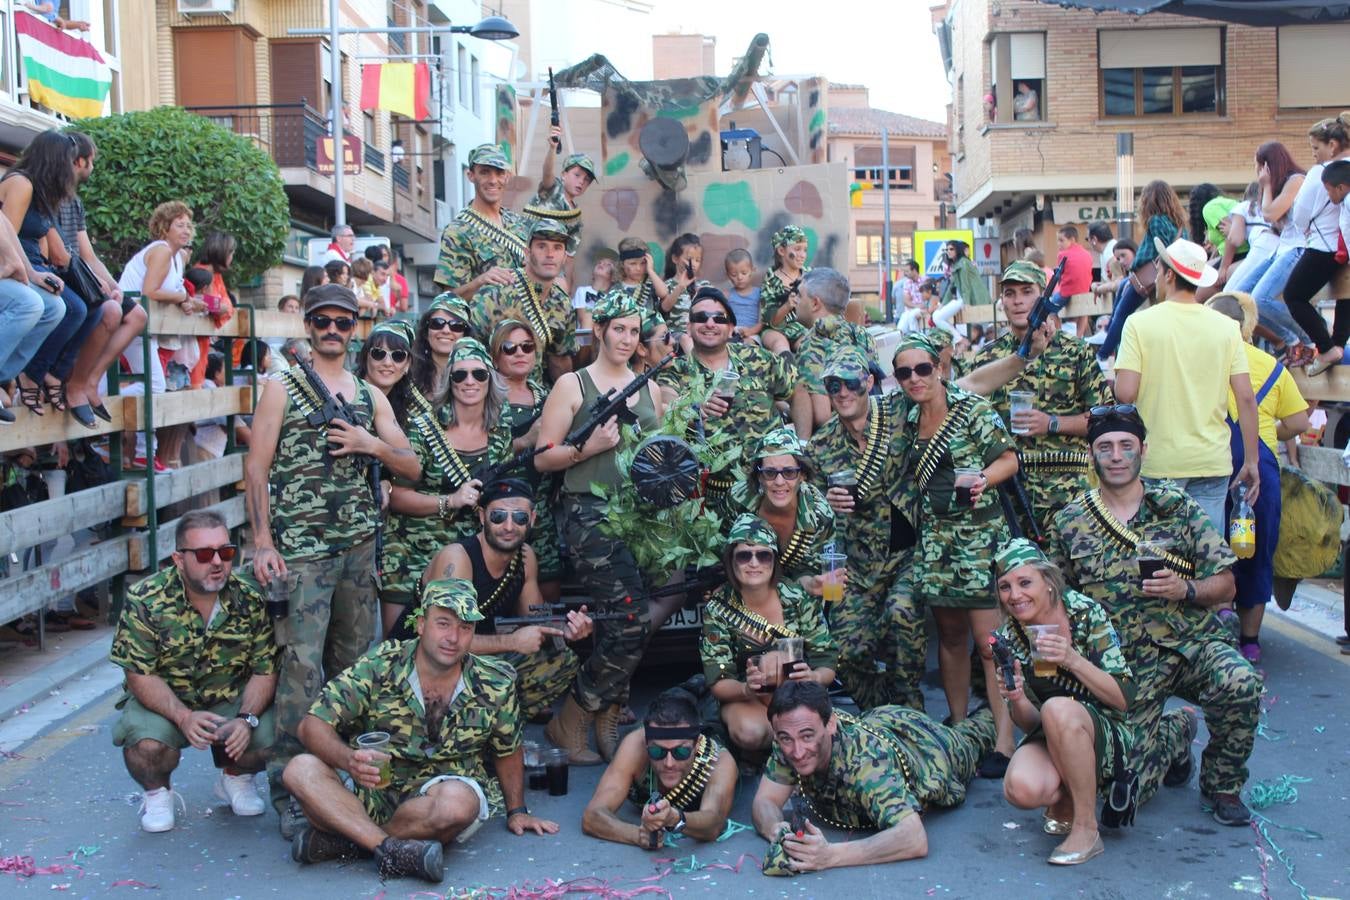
(781,441)
(1025,271)
(393,328)
(451,303)
(917,341)
(454,594)
(751,529)
(650,320)
(469,348)
(788,234)
(940,337)
(1017,552)
(615,305)
(506,326)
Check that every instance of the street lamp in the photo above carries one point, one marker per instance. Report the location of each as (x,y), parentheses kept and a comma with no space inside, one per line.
(1125,183)
(491,28)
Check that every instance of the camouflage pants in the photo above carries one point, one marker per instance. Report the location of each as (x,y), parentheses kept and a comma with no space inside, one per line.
(610,577)
(1227,688)
(542,677)
(1155,752)
(331,623)
(943,759)
(543,538)
(875,628)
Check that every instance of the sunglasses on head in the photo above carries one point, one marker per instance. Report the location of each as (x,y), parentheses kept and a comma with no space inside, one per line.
(702,316)
(437,323)
(379,353)
(763,557)
(834,384)
(459,376)
(1118,409)
(681,753)
(923,370)
(511,348)
(343,323)
(499,516)
(788,473)
(204,555)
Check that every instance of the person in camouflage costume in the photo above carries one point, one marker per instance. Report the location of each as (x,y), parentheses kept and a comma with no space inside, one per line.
(744,618)
(1173,640)
(444,710)
(873,772)
(782,332)
(684,262)
(1066,382)
(821,300)
(196,644)
(534,296)
(313,514)
(556,196)
(443,323)
(485,242)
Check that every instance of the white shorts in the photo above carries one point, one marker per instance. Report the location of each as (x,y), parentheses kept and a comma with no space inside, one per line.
(483,810)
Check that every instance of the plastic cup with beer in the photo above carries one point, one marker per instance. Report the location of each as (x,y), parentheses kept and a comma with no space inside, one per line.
(791,652)
(555,768)
(966,478)
(1040,666)
(768,666)
(846,479)
(1150,556)
(833,575)
(725,384)
(1020,401)
(379,742)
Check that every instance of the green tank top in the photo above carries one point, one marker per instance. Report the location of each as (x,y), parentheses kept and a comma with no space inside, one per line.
(601,468)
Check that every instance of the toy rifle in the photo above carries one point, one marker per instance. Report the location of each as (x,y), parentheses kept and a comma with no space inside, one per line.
(1047,305)
(614,403)
(554,614)
(522,460)
(553,118)
(1017,508)
(1003,658)
(654,839)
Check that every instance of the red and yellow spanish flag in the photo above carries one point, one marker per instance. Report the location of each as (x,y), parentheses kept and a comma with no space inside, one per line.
(403,88)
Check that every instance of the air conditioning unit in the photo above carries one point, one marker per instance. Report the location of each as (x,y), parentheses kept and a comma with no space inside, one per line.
(205,7)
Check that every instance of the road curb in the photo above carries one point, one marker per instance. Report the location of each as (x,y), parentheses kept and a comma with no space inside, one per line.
(41,683)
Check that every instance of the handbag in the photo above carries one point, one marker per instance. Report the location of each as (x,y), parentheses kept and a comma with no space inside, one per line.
(82,280)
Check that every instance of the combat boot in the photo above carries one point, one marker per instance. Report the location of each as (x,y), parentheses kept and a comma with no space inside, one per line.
(568,730)
(607,730)
(398,858)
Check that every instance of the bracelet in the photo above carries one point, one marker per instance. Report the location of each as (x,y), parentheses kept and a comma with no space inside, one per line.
(517,810)
(443,506)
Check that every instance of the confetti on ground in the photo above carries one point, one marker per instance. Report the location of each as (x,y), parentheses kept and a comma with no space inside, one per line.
(25,867)
(1011,826)
(133,883)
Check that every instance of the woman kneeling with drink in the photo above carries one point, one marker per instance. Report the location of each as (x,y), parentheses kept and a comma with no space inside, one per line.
(759,631)
(1070,689)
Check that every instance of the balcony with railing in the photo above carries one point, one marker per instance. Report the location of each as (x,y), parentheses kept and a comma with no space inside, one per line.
(288,132)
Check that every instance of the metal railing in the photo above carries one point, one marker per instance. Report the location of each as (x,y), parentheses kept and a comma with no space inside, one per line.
(288,132)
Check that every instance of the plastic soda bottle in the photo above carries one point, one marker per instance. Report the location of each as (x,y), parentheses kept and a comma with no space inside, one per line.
(1242,532)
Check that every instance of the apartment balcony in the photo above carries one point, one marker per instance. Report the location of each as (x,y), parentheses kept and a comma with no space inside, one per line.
(288,132)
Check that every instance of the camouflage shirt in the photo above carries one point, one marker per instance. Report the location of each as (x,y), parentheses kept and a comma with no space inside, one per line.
(160,633)
(821,344)
(678,317)
(382,692)
(814,527)
(321,504)
(1066,381)
(555,201)
(1099,566)
(471,245)
(732,633)
(772,295)
(551,315)
(764,378)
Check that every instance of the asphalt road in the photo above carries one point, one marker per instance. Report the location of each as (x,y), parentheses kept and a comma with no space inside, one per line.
(65,799)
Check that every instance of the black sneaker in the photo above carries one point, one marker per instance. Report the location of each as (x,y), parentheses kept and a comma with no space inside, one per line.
(1228,809)
(399,858)
(994,765)
(310,845)
(1179,772)
(6,417)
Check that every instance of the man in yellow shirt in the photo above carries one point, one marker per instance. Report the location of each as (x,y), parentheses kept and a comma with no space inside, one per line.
(1176,363)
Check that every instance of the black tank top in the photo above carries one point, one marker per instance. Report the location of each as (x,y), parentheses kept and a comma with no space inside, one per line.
(496,596)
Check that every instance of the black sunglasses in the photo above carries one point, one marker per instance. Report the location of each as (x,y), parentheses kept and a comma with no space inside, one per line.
(379,353)
(663,339)
(763,557)
(519,516)
(788,473)
(702,316)
(1119,409)
(204,555)
(437,323)
(459,376)
(834,384)
(681,753)
(344,324)
(511,348)
(923,370)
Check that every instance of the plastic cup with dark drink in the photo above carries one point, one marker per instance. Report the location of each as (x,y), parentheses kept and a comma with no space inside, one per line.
(379,741)
(555,768)
(965,480)
(725,384)
(846,479)
(791,653)
(770,669)
(278,596)
(536,777)
(1150,555)
(219,758)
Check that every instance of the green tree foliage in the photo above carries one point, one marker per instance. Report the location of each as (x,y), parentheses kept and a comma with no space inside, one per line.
(148,158)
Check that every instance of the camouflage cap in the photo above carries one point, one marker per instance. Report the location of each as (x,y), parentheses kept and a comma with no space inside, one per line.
(583,162)
(781,441)
(452,303)
(615,305)
(788,234)
(1026,271)
(489,155)
(1017,552)
(394,328)
(848,362)
(751,529)
(552,228)
(454,594)
(468,348)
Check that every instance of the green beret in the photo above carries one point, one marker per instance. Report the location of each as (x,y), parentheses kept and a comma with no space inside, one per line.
(581,161)
(394,328)
(848,362)
(781,441)
(552,228)
(788,234)
(1017,552)
(456,595)
(1026,271)
(451,303)
(468,348)
(489,155)
(616,304)
(751,529)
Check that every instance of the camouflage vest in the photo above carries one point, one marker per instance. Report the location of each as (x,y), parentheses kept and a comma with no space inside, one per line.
(321,504)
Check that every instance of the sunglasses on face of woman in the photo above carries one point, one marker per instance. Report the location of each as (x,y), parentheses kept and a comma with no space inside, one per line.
(511,348)
(459,376)
(904,373)
(379,353)
(436,323)
(763,557)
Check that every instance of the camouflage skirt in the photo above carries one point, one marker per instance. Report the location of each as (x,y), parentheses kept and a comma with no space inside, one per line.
(954,562)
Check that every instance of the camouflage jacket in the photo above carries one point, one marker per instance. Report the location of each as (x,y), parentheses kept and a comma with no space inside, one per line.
(678,317)
(551,316)
(159,633)
(764,378)
(321,504)
(773,294)
(732,633)
(471,245)
(981,440)
(823,341)
(813,530)
(554,204)
(1103,568)
(381,692)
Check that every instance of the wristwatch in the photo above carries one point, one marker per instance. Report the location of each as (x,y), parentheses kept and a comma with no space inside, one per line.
(678,827)
(517,810)
(1053,426)
(1190,592)
(249,718)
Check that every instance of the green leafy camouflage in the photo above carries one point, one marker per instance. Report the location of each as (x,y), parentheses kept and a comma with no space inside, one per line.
(725,648)
(467,251)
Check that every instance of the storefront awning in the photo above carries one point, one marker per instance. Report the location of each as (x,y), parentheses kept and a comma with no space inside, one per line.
(1264,13)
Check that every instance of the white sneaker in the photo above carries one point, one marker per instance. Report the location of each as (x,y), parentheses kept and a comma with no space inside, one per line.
(241,793)
(157,810)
